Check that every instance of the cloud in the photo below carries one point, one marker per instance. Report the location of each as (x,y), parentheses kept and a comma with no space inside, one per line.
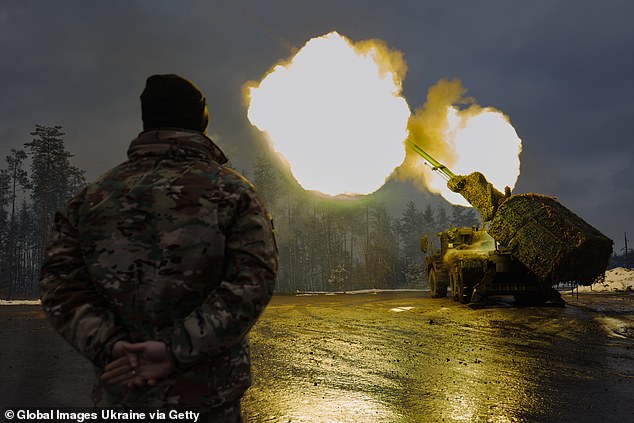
(623,179)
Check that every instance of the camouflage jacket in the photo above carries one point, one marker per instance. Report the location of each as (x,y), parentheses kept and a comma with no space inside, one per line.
(172,246)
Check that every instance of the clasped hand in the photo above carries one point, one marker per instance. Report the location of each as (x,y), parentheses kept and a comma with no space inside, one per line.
(137,365)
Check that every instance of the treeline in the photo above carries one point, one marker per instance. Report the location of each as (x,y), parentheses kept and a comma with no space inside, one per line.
(324,244)
(347,244)
(28,200)
(625,259)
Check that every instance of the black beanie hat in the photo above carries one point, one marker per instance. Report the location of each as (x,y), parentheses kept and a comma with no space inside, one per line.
(170,101)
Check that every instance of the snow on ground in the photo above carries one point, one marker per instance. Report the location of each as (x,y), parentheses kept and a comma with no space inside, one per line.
(617,279)
(20,302)
(299,293)
(360,291)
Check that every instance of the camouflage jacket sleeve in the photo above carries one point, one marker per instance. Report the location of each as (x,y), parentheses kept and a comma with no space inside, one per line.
(69,297)
(230,310)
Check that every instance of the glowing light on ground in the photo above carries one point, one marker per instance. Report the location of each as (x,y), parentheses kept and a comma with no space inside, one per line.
(335,113)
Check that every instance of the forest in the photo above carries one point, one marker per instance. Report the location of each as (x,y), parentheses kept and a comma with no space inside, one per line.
(28,200)
(348,243)
(325,244)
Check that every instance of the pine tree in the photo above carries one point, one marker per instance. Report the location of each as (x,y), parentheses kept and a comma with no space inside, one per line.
(267,180)
(381,252)
(442,220)
(18,179)
(429,221)
(463,217)
(53,179)
(411,226)
(4,202)
(26,249)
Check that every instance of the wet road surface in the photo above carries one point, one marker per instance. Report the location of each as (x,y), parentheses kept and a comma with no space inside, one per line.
(404,357)
(391,357)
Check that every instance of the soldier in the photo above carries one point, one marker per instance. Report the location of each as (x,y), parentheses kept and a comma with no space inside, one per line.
(156,271)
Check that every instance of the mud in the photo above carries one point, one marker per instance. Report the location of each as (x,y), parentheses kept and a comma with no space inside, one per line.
(391,357)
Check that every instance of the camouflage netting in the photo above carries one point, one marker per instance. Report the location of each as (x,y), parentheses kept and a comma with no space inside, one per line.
(454,256)
(553,242)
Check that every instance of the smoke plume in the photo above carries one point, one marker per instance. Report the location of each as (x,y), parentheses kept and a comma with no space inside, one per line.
(463,136)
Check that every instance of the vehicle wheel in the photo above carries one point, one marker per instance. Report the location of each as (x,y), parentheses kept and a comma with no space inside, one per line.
(467,294)
(456,292)
(461,295)
(435,288)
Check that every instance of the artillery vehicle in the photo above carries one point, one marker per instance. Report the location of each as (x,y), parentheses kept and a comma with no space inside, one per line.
(474,267)
(530,244)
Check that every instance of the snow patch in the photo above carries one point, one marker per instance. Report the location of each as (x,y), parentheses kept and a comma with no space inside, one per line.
(401,309)
(360,291)
(616,280)
(20,302)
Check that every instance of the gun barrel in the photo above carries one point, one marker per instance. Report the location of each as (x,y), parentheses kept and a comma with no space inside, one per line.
(435,164)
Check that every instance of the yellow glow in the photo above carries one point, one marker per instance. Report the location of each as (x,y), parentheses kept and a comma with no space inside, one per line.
(335,113)
(483,141)
(465,140)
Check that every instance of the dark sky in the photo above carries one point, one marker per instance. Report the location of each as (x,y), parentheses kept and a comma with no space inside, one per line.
(562,70)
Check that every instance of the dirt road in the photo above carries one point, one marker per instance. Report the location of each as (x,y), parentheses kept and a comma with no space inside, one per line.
(397,357)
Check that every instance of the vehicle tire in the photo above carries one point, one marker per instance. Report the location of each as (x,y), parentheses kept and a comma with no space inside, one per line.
(461,295)
(467,295)
(435,287)
(456,292)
